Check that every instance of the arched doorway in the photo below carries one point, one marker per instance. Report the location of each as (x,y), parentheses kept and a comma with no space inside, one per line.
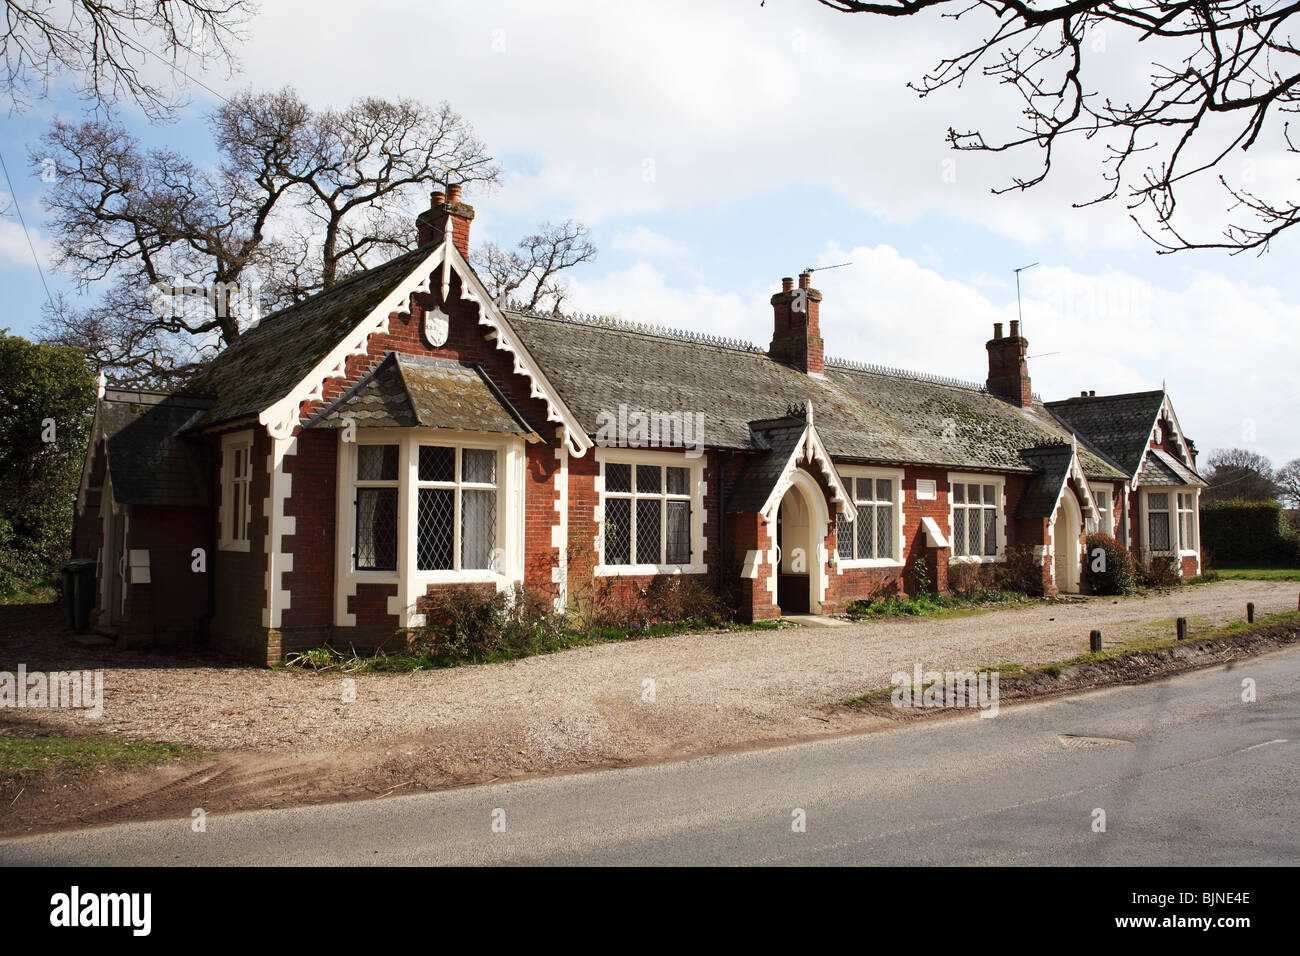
(1065,542)
(801,522)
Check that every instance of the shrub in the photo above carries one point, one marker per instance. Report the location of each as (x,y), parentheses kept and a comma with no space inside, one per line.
(1022,571)
(39,384)
(472,624)
(1108,567)
(970,578)
(678,598)
(1159,571)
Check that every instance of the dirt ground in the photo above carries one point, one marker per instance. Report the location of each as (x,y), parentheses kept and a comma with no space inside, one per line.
(282,738)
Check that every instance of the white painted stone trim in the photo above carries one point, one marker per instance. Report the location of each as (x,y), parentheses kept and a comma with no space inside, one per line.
(278,524)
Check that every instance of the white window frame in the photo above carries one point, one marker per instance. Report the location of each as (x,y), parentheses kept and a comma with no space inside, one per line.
(999,505)
(896,475)
(1184,548)
(509,512)
(1105,522)
(696,492)
(1170,513)
(457,485)
(228,538)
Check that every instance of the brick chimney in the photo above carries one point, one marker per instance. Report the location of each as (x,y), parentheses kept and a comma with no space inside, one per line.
(796,335)
(446,208)
(1008,370)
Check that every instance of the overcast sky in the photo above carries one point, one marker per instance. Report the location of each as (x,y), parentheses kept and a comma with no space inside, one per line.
(714,148)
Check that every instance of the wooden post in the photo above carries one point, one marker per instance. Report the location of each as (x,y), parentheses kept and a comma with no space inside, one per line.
(1094,641)
(1182,628)
(1250,613)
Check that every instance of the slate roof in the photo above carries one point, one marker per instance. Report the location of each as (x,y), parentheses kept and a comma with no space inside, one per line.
(760,473)
(1119,426)
(266,361)
(861,413)
(1041,492)
(1162,468)
(149,462)
(407,390)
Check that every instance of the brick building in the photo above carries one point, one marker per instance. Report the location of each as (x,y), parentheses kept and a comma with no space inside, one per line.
(403,432)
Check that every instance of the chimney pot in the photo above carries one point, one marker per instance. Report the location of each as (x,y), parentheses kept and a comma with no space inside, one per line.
(787,284)
(1083,394)
(997,330)
(1015,328)
(437,198)
(453,193)
(804,279)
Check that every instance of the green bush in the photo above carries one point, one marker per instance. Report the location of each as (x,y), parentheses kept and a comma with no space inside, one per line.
(1159,571)
(1022,571)
(46,391)
(681,598)
(1108,567)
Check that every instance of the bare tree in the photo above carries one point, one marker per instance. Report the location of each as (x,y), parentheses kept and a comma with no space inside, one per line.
(111,49)
(531,275)
(1288,482)
(1225,74)
(300,199)
(1238,473)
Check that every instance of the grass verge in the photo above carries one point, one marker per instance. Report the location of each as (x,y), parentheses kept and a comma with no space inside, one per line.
(21,757)
(1257,574)
(1154,638)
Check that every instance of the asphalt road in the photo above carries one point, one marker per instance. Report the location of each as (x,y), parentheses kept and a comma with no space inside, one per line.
(1185,771)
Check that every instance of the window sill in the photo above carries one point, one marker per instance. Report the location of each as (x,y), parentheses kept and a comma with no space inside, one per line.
(233,546)
(856,563)
(971,559)
(632,570)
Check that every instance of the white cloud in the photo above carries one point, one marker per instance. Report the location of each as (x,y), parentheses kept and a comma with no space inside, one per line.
(631,109)
(647,243)
(14,249)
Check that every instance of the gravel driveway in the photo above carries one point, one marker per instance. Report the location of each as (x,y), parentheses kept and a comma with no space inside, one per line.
(711,691)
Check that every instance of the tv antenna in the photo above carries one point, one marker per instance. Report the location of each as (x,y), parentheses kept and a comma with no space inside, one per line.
(1019,313)
(824,268)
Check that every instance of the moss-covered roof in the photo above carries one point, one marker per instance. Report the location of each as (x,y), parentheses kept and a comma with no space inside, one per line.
(268,360)
(861,413)
(408,390)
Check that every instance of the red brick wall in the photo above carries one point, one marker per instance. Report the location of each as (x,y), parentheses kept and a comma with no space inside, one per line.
(240,576)
(168,609)
(309,619)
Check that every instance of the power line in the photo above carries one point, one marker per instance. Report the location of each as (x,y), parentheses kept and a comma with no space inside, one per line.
(30,245)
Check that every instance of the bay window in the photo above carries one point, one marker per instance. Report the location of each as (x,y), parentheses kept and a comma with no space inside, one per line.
(427,507)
